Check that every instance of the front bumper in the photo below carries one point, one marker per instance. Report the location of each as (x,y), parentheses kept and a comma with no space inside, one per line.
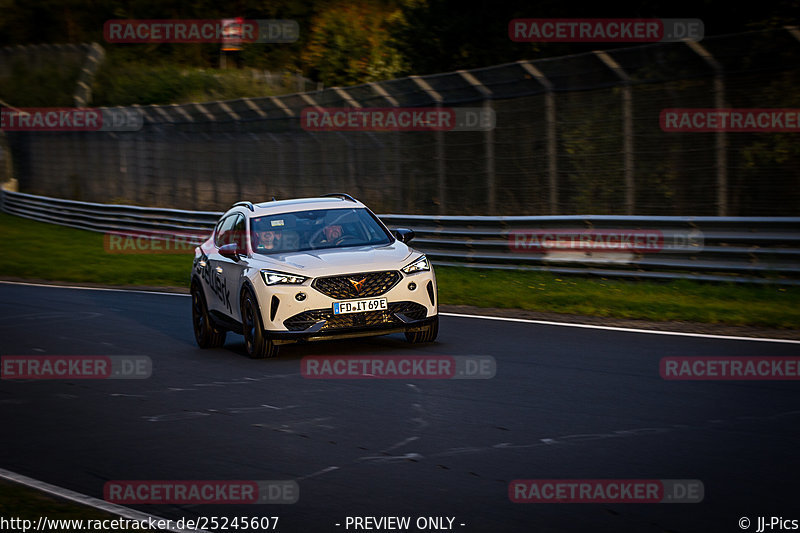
(287,319)
(317,333)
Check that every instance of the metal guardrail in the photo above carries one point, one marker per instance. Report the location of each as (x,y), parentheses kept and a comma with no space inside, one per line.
(734,249)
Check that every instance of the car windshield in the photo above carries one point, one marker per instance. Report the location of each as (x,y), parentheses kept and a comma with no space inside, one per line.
(316,229)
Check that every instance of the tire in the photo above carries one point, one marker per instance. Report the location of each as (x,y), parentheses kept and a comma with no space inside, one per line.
(205,333)
(256,342)
(427,335)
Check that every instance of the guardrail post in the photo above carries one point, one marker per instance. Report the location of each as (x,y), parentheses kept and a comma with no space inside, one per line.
(627,129)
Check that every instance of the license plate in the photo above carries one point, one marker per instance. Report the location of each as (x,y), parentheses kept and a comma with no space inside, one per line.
(359,306)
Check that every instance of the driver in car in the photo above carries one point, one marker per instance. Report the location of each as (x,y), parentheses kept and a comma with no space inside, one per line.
(267,239)
(333,233)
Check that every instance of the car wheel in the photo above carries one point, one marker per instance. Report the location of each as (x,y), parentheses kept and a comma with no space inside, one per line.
(427,335)
(256,342)
(206,335)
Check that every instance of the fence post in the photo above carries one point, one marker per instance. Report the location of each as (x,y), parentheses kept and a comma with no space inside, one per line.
(5,149)
(236,149)
(627,129)
(83,92)
(281,172)
(488,142)
(5,159)
(401,193)
(721,137)
(552,140)
(180,116)
(441,167)
(352,174)
(211,121)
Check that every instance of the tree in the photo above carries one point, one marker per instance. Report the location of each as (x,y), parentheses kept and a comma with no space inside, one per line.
(349,44)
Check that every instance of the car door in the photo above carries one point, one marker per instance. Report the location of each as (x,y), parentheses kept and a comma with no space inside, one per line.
(220,293)
(232,271)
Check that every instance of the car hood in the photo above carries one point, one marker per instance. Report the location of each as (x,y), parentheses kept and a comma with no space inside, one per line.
(315,263)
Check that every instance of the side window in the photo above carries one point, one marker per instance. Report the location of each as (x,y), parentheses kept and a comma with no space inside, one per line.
(237,235)
(223,235)
(217,228)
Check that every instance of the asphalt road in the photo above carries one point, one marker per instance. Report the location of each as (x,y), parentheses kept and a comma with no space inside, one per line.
(566,403)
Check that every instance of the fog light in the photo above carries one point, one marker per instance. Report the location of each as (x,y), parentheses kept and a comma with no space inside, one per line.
(412,286)
(300,296)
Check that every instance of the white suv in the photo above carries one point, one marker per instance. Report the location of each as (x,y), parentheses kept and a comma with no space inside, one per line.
(309,269)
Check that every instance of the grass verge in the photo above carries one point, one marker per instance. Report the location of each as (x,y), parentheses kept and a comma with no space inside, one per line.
(684,300)
(34,250)
(24,503)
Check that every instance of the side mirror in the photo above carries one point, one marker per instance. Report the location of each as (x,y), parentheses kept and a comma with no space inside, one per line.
(404,235)
(231,251)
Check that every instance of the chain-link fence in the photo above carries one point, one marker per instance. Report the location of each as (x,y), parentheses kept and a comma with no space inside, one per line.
(573,135)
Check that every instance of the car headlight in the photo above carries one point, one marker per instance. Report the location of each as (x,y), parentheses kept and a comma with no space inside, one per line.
(420,265)
(272,277)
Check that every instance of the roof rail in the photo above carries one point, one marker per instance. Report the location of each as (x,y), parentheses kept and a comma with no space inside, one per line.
(248,205)
(341,195)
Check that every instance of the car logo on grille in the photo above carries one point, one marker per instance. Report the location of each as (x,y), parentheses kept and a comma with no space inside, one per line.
(358,285)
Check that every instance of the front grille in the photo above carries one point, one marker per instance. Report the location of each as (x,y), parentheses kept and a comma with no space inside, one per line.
(306,319)
(343,287)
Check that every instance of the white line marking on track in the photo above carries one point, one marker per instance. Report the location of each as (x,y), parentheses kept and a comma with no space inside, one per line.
(319,473)
(118,510)
(623,330)
(138,291)
(484,317)
(712,425)
(171,417)
(412,456)
(400,444)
